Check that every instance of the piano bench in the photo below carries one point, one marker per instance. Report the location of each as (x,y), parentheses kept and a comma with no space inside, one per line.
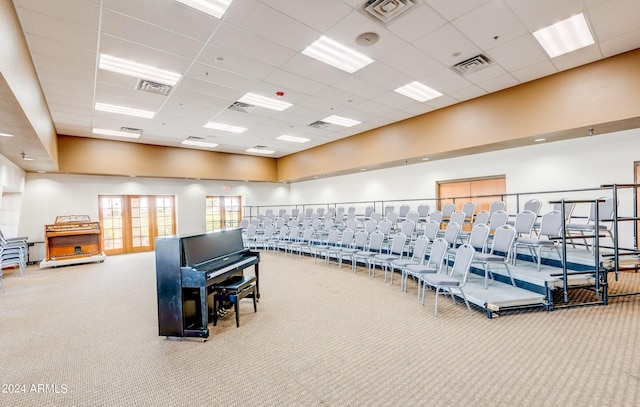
(233,290)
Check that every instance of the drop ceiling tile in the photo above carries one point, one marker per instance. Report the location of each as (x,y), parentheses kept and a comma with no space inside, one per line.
(614,18)
(447,45)
(320,15)
(452,9)
(536,71)
(577,58)
(65,67)
(234,62)
(169,15)
(541,13)
(490,25)
(42,47)
(80,13)
(49,27)
(620,44)
(237,40)
(361,87)
(412,61)
(498,83)
(383,75)
(445,80)
(303,65)
(418,22)
(301,84)
(469,93)
(518,54)
(221,77)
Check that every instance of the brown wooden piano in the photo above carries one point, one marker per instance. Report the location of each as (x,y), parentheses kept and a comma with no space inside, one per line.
(187,272)
(72,239)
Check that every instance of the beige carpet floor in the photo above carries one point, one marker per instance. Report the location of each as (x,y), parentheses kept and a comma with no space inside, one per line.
(87,335)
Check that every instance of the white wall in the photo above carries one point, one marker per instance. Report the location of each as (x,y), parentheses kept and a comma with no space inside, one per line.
(50,195)
(573,164)
(11,188)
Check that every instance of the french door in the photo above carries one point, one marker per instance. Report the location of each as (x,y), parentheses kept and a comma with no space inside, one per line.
(222,212)
(131,222)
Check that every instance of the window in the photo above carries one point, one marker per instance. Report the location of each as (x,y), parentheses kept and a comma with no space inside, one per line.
(131,222)
(222,212)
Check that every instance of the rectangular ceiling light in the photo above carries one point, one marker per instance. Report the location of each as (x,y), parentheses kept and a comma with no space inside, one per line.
(199,143)
(215,8)
(418,91)
(116,133)
(225,127)
(264,101)
(565,36)
(293,139)
(137,70)
(104,107)
(259,151)
(340,121)
(337,55)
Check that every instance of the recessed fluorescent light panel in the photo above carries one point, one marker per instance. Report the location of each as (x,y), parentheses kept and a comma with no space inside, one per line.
(266,102)
(215,8)
(293,139)
(565,36)
(199,143)
(126,67)
(116,133)
(259,151)
(337,55)
(340,121)
(418,91)
(225,127)
(104,107)
(6,135)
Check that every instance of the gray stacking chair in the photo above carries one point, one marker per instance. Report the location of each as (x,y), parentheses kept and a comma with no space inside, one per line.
(500,253)
(331,243)
(477,240)
(417,256)
(376,240)
(550,227)
(453,282)
(603,224)
(396,251)
(433,265)
(359,244)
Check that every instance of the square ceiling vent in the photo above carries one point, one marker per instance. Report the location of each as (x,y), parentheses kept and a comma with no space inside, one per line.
(473,64)
(153,87)
(388,10)
(319,124)
(242,107)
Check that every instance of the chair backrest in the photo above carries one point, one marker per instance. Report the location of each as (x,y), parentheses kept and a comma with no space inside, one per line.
(269,212)
(295,212)
(333,236)
(420,249)
(281,212)
(306,223)
(503,240)
(328,224)
(605,210)
(451,233)
(423,210)
(397,243)
(308,212)
(497,219)
(294,233)
(388,208)
(469,208)
(267,222)
(351,215)
(407,227)
(524,223)
(316,224)
(368,211)
(360,241)
(568,209)
(307,235)
(462,263)
(320,212)
(447,209)
(403,210)
(431,230)
(376,239)
(496,206)
(482,218)
(458,217)
(436,215)
(269,231)
(532,205)
(438,252)
(352,209)
(385,226)
(392,216)
(251,230)
(478,236)
(255,222)
(346,239)
(370,226)
(551,224)
(244,223)
(352,224)
(283,232)
(376,216)
(280,222)
(413,216)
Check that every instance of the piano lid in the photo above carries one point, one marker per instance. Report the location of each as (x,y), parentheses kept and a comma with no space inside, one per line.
(200,249)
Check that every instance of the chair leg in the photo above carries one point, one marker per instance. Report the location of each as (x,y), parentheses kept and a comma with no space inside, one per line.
(436,307)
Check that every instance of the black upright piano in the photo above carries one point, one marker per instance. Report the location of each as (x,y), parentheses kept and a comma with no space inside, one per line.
(187,268)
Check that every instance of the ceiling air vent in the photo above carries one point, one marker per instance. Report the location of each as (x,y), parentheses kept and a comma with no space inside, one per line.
(473,64)
(153,87)
(387,10)
(241,107)
(131,130)
(319,124)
